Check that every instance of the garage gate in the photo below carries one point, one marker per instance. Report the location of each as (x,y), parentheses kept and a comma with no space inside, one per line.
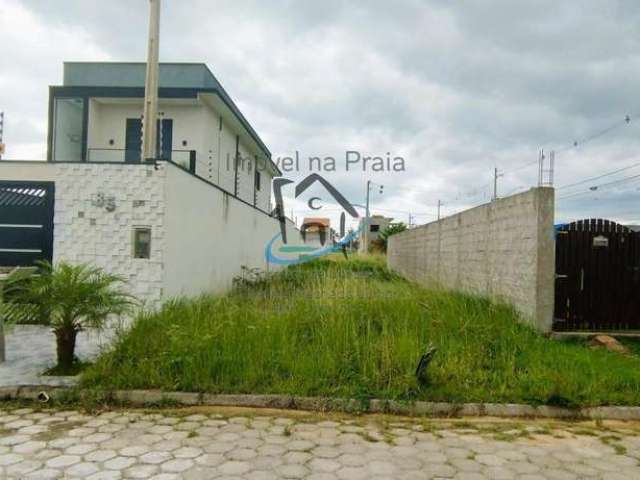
(26,222)
(597,276)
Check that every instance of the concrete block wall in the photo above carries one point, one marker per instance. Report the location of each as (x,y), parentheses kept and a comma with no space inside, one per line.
(504,250)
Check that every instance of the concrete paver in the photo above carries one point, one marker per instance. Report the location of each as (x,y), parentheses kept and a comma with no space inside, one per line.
(265,445)
(31,349)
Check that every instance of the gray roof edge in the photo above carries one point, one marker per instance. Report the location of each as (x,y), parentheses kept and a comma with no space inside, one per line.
(217,85)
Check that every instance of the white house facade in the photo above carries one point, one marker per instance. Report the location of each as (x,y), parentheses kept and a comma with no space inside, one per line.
(96,116)
(184,223)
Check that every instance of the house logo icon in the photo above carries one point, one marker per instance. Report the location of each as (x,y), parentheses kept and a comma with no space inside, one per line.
(278,252)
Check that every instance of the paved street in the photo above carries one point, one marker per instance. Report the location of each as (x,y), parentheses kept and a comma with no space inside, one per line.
(261,445)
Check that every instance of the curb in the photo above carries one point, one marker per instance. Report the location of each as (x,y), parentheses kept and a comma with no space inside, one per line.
(142,398)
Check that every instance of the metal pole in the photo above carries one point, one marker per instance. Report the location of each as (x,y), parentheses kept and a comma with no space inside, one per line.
(541,168)
(495,184)
(366,220)
(149,121)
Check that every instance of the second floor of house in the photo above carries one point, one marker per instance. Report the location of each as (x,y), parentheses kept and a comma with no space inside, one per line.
(96,116)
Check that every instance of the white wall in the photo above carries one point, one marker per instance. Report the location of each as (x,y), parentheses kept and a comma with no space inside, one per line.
(194,122)
(201,237)
(107,121)
(210,236)
(207,165)
(226,156)
(264,194)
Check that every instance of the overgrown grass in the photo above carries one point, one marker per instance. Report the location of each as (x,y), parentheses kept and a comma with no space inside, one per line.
(353,329)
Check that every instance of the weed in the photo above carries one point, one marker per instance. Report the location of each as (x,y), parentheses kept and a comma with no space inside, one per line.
(338,328)
(611,440)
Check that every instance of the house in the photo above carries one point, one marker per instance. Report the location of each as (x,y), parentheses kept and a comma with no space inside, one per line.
(96,116)
(316,231)
(184,223)
(377,223)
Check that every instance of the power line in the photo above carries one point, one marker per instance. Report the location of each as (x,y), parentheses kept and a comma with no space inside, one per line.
(600,133)
(599,176)
(521,167)
(576,143)
(596,188)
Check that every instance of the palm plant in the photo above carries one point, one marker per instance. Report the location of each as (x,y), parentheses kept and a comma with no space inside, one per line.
(72,298)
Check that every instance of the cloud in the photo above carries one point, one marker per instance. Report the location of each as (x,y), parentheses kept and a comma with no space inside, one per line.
(32,48)
(456,88)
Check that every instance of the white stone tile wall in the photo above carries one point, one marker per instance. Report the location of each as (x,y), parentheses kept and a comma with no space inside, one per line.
(87,232)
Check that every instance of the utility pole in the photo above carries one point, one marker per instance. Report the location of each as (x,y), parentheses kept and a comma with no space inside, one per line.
(439,206)
(149,120)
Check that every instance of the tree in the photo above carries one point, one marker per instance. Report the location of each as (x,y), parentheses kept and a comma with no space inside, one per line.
(72,298)
(384,235)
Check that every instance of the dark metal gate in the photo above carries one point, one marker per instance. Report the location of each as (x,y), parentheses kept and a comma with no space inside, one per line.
(597,276)
(26,222)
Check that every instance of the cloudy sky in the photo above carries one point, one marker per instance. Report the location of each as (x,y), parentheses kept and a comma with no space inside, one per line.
(455,88)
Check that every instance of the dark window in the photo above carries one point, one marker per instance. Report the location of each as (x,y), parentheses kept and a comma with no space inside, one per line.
(257,179)
(164,140)
(133,139)
(374,228)
(141,242)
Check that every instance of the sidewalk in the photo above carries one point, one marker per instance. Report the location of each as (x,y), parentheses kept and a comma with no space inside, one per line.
(265,444)
(31,349)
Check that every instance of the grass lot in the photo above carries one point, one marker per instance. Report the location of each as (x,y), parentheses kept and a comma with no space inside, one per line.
(353,329)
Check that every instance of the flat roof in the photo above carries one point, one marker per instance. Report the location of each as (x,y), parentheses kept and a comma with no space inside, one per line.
(194,76)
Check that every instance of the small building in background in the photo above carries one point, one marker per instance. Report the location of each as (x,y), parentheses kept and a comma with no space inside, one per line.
(377,223)
(316,231)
